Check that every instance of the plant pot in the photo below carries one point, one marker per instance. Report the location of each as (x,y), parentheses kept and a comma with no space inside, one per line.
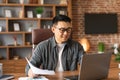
(39,15)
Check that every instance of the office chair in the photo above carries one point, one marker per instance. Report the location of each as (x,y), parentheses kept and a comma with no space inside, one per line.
(39,35)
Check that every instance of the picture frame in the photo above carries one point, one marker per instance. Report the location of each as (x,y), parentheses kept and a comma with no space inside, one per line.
(62,12)
(8,13)
(16,27)
(30,14)
(63,2)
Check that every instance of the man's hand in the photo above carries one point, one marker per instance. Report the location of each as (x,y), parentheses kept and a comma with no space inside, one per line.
(31,74)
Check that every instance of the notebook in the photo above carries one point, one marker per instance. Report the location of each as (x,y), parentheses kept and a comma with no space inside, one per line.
(93,67)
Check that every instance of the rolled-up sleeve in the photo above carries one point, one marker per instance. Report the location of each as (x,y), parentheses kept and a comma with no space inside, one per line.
(36,58)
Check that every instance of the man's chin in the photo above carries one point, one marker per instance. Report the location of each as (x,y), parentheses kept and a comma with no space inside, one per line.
(64,40)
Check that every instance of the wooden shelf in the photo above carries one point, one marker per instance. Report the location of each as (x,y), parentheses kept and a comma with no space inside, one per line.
(24,36)
(13,5)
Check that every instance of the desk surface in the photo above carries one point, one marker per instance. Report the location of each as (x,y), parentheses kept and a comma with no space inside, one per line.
(113,75)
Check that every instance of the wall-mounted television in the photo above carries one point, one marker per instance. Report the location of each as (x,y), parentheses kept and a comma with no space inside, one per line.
(101,23)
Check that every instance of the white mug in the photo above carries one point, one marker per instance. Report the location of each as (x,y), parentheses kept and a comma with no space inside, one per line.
(1,71)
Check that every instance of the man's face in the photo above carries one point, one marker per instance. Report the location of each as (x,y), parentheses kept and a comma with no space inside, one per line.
(62,31)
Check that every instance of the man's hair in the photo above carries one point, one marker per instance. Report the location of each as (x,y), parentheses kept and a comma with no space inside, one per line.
(58,18)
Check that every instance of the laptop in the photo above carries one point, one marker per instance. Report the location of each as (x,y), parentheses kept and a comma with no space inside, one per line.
(93,67)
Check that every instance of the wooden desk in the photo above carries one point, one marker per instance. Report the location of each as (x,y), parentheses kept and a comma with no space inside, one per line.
(113,75)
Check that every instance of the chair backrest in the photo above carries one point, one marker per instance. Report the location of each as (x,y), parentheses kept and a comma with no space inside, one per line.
(39,35)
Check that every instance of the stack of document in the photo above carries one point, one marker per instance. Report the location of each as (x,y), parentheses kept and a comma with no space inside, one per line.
(40,71)
(37,71)
(28,78)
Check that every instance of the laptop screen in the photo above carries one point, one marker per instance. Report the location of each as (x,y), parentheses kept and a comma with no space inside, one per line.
(93,67)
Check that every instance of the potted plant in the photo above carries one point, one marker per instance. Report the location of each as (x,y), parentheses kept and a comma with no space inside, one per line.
(39,11)
(101,47)
(117,57)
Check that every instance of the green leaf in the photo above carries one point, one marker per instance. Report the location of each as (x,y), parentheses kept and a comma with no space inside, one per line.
(39,10)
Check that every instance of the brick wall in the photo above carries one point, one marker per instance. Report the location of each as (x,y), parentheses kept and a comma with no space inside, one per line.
(79,7)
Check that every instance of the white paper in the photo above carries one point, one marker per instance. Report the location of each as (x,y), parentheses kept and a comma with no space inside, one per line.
(28,78)
(40,71)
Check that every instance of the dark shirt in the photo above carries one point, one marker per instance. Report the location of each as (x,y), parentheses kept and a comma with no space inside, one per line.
(46,55)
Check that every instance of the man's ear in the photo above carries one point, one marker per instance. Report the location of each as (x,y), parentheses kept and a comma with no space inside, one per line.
(53,29)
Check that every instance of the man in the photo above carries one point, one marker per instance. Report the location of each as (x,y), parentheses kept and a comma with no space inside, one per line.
(60,52)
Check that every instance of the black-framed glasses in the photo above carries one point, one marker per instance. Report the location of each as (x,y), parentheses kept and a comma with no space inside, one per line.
(62,30)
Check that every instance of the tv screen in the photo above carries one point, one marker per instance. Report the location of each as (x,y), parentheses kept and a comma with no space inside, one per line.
(102,23)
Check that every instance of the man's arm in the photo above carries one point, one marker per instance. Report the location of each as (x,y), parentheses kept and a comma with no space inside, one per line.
(35,60)
(26,69)
(81,53)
